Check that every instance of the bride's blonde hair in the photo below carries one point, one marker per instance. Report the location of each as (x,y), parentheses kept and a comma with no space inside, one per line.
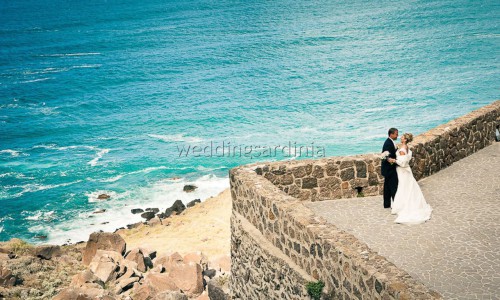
(409,137)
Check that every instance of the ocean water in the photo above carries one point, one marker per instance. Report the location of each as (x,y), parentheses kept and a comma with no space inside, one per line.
(112,96)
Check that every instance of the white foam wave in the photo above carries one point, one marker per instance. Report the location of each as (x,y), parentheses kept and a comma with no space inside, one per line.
(49,111)
(100,154)
(6,218)
(86,66)
(151,169)
(71,54)
(39,228)
(55,147)
(39,215)
(205,169)
(56,70)
(144,171)
(176,138)
(161,195)
(1,229)
(112,179)
(15,175)
(13,153)
(10,105)
(35,187)
(36,80)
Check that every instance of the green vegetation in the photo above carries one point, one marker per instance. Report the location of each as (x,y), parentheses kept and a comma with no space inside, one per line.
(314,289)
(19,247)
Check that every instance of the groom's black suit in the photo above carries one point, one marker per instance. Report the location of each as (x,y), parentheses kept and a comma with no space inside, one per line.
(389,172)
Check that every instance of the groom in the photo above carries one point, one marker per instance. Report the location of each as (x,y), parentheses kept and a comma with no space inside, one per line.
(389,168)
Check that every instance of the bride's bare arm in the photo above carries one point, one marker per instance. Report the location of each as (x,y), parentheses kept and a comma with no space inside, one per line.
(403,152)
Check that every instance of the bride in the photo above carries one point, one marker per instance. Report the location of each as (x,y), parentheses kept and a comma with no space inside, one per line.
(409,203)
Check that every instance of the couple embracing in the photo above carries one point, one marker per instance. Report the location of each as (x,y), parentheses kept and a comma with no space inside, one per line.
(407,202)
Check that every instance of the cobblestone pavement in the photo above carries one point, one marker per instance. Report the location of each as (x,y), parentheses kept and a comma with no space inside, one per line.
(456,252)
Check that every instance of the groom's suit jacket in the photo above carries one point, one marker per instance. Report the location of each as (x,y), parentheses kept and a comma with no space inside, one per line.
(387,168)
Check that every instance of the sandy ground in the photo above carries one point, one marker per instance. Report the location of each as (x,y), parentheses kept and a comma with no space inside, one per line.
(204,227)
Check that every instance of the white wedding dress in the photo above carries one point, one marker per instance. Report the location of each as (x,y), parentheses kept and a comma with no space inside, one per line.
(409,203)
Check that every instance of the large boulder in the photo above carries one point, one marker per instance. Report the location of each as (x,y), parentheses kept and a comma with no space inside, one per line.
(221,263)
(72,294)
(143,292)
(104,267)
(195,257)
(125,284)
(171,296)
(102,241)
(160,282)
(85,293)
(168,260)
(6,277)
(155,210)
(218,289)
(176,208)
(86,279)
(187,277)
(47,251)
(137,256)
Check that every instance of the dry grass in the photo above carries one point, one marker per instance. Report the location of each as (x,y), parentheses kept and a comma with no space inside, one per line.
(37,278)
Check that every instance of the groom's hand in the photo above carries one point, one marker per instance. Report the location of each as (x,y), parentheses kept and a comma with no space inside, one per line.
(391,160)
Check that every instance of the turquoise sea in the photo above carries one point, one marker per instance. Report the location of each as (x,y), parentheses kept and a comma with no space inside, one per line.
(100,96)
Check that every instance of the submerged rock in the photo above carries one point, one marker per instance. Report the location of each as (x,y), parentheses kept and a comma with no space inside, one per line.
(103,197)
(189,188)
(137,210)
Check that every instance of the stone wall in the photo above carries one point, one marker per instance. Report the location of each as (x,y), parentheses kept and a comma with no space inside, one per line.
(260,268)
(272,227)
(348,267)
(350,176)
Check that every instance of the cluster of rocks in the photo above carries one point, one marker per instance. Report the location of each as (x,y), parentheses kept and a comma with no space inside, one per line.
(138,274)
(154,217)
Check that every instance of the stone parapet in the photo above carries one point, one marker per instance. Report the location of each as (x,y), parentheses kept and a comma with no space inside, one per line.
(271,221)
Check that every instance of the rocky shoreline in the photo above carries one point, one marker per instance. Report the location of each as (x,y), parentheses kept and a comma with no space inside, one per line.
(137,262)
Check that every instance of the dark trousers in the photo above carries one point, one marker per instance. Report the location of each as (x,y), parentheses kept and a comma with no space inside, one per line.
(390,188)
